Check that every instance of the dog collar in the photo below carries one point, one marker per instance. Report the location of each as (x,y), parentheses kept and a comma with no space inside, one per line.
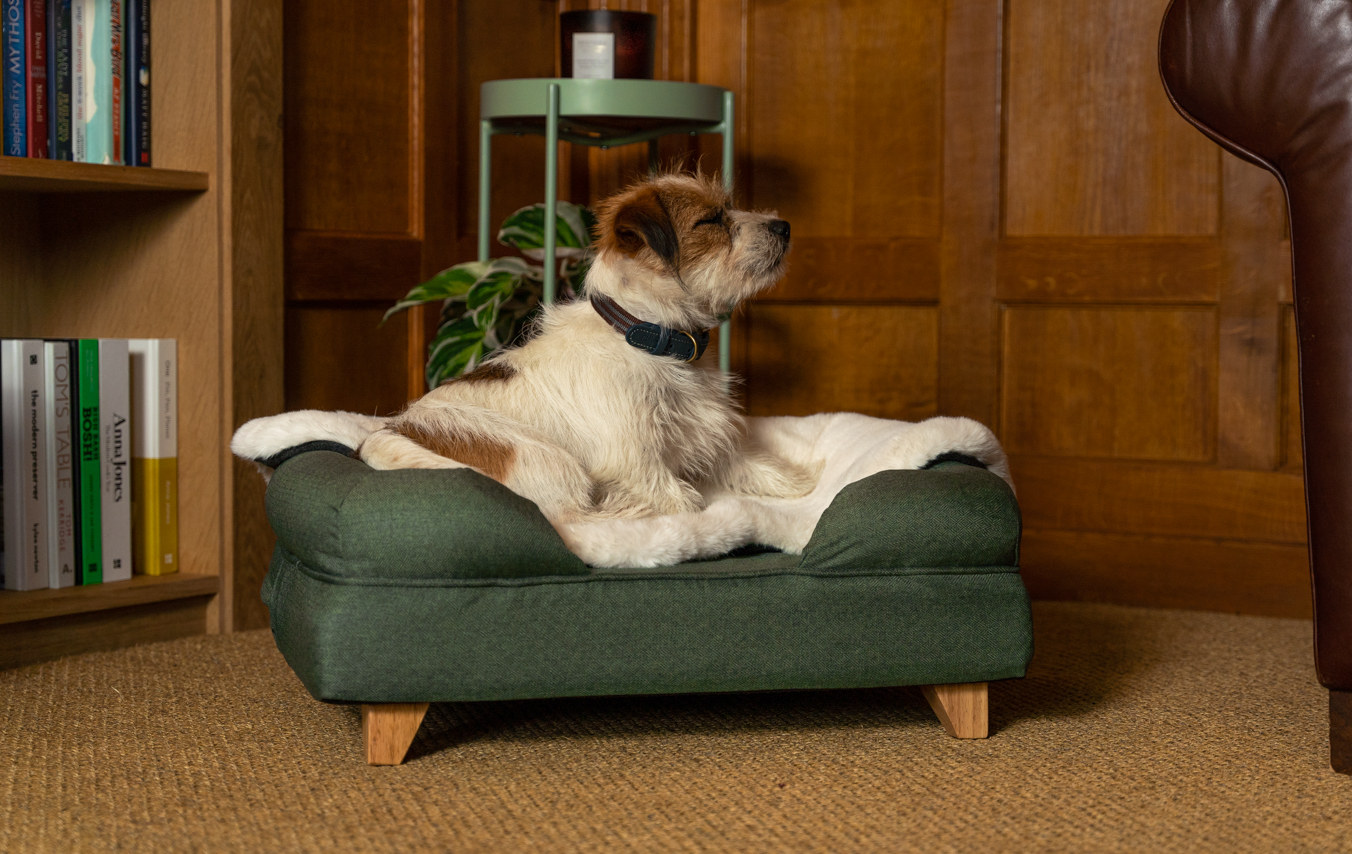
(658,340)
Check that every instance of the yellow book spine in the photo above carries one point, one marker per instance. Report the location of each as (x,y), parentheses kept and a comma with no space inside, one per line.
(155,515)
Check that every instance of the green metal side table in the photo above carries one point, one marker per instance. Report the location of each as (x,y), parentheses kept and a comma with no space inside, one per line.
(603,113)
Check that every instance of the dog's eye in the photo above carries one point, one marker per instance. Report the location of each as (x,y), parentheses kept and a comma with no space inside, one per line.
(714,219)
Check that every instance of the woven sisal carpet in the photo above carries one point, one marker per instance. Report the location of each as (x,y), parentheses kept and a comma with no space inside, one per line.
(1136,730)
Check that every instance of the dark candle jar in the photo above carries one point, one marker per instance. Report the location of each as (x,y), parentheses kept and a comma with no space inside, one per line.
(601,43)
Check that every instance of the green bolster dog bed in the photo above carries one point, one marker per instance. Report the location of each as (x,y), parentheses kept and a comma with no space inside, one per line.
(419,586)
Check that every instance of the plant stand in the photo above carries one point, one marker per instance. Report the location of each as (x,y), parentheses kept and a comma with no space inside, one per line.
(603,113)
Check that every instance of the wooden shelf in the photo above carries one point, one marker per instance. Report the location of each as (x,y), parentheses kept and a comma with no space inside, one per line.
(30,175)
(140,590)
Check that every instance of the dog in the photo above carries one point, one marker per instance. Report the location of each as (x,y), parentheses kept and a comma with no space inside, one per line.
(602,413)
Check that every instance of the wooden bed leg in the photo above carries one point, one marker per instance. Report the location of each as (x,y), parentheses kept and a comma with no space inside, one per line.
(1340,731)
(388,730)
(961,708)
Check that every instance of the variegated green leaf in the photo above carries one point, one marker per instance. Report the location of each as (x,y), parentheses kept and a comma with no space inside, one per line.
(448,284)
(525,230)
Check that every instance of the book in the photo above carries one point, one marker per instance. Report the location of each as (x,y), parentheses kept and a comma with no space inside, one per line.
(14,121)
(102,80)
(23,413)
(115,457)
(35,20)
(154,454)
(62,559)
(58,80)
(88,477)
(136,89)
(79,36)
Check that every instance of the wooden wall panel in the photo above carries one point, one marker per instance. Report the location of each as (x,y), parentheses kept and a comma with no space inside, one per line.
(338,356)
(348,148)
(845,125)
(1093,146)
(1065,390)
(878,360)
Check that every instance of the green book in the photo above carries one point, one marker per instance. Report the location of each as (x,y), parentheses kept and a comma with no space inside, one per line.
(90,481)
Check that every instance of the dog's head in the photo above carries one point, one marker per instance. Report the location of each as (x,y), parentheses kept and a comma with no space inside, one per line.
(673,249)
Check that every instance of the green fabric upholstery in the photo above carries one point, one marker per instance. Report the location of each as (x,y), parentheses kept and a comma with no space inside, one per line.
(414,586)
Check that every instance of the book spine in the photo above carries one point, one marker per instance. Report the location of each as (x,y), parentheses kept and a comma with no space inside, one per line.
(35,463)
(115,456)
(116,67)
(90,484)
(61,557)
(11,461)
(154,370)
(98,82)
(14,123)
(58,79)
(79,43)
(35,17)
(137,129)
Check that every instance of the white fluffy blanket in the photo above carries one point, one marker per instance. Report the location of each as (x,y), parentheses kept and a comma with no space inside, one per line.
(850,447)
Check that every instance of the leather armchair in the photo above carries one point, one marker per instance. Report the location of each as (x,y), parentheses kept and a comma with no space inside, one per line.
(1271,82)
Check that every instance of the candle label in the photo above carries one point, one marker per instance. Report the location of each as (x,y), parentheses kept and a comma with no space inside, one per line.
(594,55)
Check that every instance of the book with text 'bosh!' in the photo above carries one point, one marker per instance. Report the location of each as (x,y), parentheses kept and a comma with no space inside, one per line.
(88,479)
(154,430)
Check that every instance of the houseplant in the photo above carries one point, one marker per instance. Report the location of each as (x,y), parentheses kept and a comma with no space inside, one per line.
(487,305)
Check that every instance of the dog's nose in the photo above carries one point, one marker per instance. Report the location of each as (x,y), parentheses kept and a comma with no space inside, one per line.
(780,227)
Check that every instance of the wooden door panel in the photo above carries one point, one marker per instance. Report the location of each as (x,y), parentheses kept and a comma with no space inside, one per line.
(878,360)
(1130,383)
(1093,146)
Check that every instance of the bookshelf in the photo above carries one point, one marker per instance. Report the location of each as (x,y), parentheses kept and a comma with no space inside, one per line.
(192,250)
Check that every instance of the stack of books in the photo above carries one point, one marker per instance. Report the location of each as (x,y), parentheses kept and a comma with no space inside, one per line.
(76,80)
(88,460)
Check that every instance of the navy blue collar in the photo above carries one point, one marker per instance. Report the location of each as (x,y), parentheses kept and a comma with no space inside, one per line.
(649,337)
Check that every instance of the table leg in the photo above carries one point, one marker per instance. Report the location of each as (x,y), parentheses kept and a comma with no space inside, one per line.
(485,185)
(551,190)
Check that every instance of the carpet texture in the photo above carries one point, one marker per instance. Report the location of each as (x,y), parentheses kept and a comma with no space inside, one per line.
(1136,730)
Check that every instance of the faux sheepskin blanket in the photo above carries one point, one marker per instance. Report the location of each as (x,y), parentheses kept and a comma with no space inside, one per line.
(849,447)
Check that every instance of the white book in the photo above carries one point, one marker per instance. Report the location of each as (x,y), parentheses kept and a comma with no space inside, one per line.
(23,412)
(154,454)
(62,560)
(115,456)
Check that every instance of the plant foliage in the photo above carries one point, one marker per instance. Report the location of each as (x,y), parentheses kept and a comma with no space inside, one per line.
(487,305)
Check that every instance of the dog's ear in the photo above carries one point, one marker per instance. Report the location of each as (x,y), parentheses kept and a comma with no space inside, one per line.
(642,221)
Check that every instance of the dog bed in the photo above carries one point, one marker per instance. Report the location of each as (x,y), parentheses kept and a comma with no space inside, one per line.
(412,586)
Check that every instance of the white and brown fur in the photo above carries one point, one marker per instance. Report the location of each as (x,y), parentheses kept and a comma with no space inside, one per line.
(584,424)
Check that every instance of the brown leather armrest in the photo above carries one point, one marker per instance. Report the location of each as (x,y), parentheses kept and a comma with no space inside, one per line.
(1271,81)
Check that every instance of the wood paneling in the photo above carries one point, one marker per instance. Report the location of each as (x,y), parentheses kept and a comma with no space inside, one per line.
(1110,382)
(1235,576)
(1093,146)
(347,116)
(878,360)
(845,103)
(365,267)
(1163,499)
(1057,269)
(827,270)
(343,358)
